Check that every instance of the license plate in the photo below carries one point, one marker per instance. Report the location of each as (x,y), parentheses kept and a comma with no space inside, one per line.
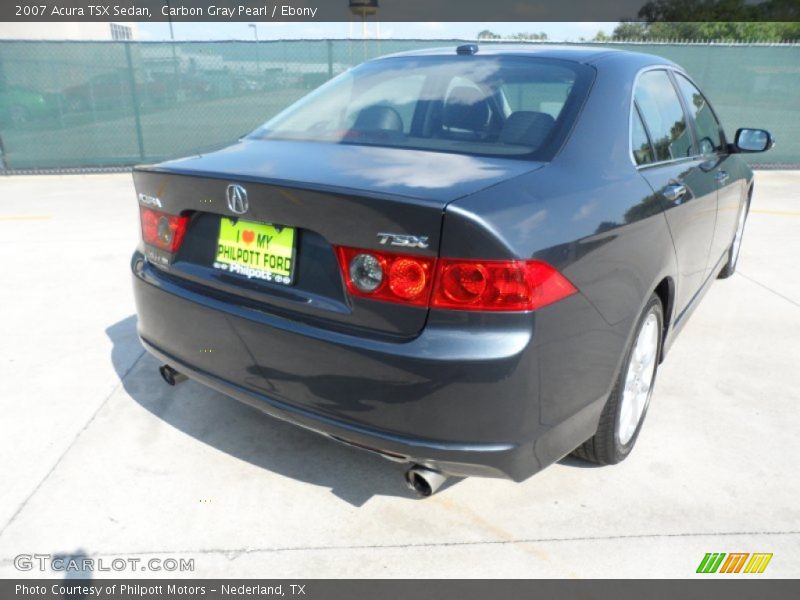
(256,250)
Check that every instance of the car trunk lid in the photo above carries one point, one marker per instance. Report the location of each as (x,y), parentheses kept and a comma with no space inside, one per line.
(331,195)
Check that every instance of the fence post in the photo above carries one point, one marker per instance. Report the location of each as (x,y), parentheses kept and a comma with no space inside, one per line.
(330,59)
(135,98)
(3,154)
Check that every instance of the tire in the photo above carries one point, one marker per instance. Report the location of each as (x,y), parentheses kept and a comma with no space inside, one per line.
(618,431)
(736,245)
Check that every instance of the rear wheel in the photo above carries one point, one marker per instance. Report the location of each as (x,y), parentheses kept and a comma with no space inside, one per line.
(736,245)
(623,415)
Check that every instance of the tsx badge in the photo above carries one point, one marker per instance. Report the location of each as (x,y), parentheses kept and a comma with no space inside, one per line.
(404,241)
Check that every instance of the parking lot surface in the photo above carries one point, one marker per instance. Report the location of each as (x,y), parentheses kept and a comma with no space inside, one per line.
(99,458)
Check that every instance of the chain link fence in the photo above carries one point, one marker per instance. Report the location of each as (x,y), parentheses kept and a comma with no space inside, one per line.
(103,104)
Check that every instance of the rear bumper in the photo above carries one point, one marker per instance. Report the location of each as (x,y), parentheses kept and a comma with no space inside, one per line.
(463,397)
(488,460)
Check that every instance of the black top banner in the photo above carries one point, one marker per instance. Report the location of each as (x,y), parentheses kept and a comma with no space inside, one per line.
(398,10)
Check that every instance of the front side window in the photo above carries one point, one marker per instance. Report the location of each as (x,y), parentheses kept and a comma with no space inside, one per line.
(511,106)
(709,139)
(663,113)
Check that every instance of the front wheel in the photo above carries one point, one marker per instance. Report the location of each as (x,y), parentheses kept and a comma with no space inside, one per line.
(622,418)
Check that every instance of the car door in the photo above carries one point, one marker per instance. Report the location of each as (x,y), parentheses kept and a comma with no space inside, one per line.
(665,152)
(727,173)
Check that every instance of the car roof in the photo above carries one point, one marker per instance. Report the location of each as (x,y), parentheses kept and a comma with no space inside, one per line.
(574,53)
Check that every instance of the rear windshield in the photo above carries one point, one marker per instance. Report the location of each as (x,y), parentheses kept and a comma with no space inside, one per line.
(511,106)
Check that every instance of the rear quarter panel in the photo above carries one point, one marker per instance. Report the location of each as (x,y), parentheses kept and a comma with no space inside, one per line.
(591,215)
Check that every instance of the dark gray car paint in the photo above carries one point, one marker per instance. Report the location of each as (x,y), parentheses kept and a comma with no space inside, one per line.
(469,393)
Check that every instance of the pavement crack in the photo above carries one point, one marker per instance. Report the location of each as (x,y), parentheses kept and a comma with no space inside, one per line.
(71,444)
(769,289)
(243,551)
(234,553)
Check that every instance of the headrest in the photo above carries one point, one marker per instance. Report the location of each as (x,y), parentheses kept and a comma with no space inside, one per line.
(378,118)
(526,128)
(465,108)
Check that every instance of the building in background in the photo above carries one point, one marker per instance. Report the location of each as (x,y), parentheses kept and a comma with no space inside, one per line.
(69,31)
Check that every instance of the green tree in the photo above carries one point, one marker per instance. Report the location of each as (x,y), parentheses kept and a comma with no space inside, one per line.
(718,10)
(729,20)
(525,35)
(720,30)
(488,35)
(631,31)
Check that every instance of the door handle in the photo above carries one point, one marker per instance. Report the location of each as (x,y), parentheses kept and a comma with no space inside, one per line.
(722,177)
(674,192)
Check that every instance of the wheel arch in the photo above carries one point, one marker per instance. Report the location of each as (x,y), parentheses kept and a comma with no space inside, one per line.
(665,290)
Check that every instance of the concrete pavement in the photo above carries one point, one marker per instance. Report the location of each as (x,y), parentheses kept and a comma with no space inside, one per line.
(99,458)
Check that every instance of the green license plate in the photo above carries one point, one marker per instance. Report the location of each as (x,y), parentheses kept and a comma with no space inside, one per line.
(256,250)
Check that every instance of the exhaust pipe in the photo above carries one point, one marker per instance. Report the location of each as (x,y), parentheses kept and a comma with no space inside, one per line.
(170,375)
(424,481)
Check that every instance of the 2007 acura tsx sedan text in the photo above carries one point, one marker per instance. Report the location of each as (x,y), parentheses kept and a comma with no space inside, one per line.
(469,260)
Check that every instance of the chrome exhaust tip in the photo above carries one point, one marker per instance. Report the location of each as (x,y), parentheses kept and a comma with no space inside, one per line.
(424,481)
(170,375)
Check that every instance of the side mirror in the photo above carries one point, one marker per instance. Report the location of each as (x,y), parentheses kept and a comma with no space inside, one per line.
(753,140)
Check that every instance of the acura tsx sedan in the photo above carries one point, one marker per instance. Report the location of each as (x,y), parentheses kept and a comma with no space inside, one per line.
(468,260)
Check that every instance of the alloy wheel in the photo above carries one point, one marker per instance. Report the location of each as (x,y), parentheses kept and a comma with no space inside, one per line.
(638,379)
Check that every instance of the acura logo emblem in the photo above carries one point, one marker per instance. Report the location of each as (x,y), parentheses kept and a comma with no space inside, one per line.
(237,198)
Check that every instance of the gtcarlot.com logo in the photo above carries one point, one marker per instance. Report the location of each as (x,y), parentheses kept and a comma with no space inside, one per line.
(86,564)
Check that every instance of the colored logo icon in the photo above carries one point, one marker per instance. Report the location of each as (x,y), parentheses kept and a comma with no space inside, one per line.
(734,562)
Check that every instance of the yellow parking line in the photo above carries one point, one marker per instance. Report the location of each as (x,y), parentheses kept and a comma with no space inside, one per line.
(785,213)
(24,217)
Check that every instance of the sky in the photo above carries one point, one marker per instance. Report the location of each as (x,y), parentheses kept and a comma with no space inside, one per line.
(271,31)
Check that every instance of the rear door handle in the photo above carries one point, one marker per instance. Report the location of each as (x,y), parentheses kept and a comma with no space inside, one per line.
(722,177)
(674,192)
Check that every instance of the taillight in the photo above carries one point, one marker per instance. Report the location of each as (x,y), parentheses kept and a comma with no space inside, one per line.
(387,276)
(477,285)
(496,285)
(162,230)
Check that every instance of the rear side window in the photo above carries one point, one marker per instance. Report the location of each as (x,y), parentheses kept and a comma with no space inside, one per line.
(709,138)
(663,113)
(640,143)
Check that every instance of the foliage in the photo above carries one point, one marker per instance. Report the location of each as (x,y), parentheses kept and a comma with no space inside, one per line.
(541,36)
(727,31)
(728,20)
(718,10)
(490,35)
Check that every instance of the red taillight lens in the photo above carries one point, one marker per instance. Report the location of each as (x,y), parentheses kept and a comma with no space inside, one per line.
(387,276)
(478,285)
(162,230)
(498,285)
(463,283)
(408,278)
